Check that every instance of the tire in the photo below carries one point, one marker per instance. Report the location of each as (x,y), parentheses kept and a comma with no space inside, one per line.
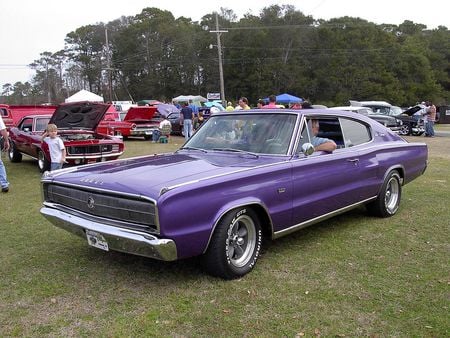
(235,244)
(405,129)
(43,162)
(13,154)
(388,199)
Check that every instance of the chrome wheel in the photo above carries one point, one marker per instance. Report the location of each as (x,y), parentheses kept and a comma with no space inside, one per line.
(235,244)
(241,241)
(392,195)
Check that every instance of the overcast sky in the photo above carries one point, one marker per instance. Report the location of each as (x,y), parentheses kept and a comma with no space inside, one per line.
(30,27)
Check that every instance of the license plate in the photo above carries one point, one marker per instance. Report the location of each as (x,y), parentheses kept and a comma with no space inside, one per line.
(148,132)
(96,240)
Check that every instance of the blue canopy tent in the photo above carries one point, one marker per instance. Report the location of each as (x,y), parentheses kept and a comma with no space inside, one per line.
(216,104)
(286,99)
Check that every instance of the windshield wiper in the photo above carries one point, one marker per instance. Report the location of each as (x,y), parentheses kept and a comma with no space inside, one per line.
(236,151)
(193,148)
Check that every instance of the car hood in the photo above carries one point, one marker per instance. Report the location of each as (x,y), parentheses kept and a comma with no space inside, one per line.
(138,114)
(411,111)
(79,115)
(148,175)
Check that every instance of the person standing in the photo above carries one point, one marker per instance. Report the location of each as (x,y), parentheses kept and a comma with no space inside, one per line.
(431,118)
(3,179)
(188,117)
(243,103)
(55,147)
(272,102)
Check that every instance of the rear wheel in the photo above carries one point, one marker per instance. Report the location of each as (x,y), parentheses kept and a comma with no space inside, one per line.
(43,162)
(235,244)
(388,199)
(13,154)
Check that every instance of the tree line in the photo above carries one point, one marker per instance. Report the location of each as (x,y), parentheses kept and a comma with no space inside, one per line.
(154,55)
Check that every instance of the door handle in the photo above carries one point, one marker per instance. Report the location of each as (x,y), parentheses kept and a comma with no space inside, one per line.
(355,161)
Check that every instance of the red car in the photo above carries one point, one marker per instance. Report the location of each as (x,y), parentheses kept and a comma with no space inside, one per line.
(76,127)
(138,121)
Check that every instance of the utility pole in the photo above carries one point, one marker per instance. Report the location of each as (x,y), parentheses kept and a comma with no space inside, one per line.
(219,50)
(108,61)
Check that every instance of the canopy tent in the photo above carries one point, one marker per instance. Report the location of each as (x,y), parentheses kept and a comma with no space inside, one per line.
(286,99)
(148,102)
(196,99)
(216,104)
(84,95)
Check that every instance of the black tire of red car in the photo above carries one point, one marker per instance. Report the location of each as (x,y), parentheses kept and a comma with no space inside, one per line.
(43,162)
(14,155)
(235,244)
(405,129)
(388,199)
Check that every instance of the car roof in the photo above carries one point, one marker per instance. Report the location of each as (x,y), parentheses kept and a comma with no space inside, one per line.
(370,103)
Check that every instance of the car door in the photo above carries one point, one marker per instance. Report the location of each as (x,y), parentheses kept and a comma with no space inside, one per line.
(23,139)
(324,183)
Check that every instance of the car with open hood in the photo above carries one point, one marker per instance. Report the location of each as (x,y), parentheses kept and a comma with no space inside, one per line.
(76,124)
(386,114)
(138,121)
(244,176)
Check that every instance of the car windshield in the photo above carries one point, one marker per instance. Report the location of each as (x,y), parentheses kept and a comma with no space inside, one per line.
(250,132)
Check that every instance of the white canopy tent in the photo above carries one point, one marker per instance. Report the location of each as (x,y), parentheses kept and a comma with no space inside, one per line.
(196,99)
(84,95)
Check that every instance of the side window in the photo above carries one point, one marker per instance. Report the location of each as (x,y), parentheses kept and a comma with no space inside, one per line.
(329,128)
(41,124)
(4,112)
(27,125)
(354,132)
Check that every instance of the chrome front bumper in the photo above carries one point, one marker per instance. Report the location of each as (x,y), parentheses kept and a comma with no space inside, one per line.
(118,239)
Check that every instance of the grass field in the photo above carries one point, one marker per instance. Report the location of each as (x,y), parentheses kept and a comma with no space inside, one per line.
(353,275)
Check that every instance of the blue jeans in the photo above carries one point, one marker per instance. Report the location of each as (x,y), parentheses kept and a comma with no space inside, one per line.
(187,129)
(55,166)
(156,135)
(429,128)
(3,180)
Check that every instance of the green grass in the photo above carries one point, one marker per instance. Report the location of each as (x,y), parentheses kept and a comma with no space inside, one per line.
(353,275)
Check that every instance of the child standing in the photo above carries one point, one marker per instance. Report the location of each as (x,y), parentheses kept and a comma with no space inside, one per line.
(55,146)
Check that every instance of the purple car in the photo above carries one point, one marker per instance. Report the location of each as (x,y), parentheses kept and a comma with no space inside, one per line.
(242,177)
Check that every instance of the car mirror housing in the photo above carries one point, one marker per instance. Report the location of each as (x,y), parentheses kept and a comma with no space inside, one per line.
(307,149)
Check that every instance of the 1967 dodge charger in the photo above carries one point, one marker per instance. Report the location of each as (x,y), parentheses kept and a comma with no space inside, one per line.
(255,174)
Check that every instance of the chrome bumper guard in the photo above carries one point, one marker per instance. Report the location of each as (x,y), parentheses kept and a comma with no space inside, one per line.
(124,240)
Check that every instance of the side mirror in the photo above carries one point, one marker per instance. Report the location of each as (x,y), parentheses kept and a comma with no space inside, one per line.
(307,149)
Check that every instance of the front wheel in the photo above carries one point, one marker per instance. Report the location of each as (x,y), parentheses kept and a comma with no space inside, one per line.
(43,162)
(13,154)
(235,244)
(388,199)
(405,129)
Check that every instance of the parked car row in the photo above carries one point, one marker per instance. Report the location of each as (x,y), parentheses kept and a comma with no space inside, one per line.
(393,117)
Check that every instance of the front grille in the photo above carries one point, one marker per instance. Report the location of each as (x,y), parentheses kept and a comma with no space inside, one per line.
(91,149)
(116,207)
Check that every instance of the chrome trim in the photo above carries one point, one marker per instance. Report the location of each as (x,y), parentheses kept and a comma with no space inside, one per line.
(119,239)
(49,180)
(100,155)
(287,231)
(102,220)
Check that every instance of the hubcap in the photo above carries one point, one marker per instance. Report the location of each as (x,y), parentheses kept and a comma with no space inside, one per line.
(241,241)
(392,195)
(41,160)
